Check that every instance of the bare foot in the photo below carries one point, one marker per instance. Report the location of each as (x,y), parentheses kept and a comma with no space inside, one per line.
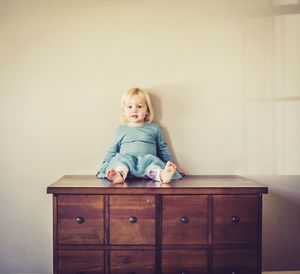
(114,176)
(167,172)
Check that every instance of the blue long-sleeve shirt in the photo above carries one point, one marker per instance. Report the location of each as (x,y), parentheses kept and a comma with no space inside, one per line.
(138,141)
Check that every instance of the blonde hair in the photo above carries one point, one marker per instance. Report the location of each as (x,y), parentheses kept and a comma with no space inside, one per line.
(137,91)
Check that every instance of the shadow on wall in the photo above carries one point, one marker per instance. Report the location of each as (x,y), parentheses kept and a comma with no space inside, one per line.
(281,223)
(167,107)
(157,105)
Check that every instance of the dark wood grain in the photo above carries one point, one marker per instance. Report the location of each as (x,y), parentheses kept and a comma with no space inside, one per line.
(132,261)
(55,231)
(225,207)
(241,261)
(88,184)
(194,209)
(141,207)
(200,224)
(80,261)
(184,261)
(88,207)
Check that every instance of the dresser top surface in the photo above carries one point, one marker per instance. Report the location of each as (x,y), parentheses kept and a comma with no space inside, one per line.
(190,184)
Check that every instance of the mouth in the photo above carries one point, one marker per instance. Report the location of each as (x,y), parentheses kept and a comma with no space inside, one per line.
(134,116)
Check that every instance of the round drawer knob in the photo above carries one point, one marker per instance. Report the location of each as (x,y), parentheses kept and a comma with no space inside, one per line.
(132,219)
(80,220)
(185,220)
(235,220)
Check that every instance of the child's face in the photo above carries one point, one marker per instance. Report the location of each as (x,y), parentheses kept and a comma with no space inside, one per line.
(135,110)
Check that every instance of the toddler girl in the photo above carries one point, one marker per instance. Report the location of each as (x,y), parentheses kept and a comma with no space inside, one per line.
(139,149)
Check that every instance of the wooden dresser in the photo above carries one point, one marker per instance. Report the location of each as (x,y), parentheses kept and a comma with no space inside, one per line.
(200,224)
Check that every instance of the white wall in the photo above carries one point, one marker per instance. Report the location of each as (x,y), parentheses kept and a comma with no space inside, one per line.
(225,88)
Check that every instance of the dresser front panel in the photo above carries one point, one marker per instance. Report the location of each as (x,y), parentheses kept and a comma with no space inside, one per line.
(239,261)
(132,219)
(81,261)
(80,219)
(235,219)
(184,219)
(132,261)
(184,261)
(197,225)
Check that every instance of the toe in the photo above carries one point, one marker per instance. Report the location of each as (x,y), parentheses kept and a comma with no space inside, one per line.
(172,165)
(110,173)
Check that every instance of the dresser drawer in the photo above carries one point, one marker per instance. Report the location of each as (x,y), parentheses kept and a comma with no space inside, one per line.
(132,219)
(80,261)
(80,219)
(184,219)
(184,261)
(132,261)
(235,219)
(235,261)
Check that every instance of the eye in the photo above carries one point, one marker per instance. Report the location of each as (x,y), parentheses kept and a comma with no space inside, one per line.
(140,106)
(129,106)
